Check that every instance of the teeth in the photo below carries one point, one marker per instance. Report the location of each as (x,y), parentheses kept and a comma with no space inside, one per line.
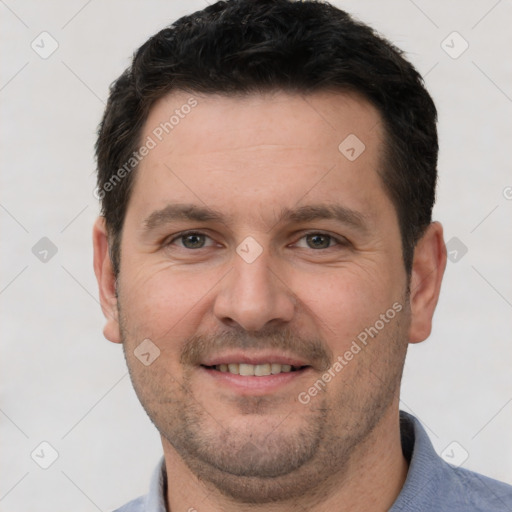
(260,370)
(275,368)
(246,369)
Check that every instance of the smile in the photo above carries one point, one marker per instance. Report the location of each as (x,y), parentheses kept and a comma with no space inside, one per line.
(258,370)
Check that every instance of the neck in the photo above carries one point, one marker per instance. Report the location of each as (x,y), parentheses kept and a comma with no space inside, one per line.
(371,480)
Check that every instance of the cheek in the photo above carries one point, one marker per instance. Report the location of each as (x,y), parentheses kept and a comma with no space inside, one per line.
(343,302)
(161,302)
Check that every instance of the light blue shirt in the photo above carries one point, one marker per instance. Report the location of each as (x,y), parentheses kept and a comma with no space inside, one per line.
(432,485)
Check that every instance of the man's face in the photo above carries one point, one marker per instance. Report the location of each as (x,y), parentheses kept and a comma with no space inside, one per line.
(270,282)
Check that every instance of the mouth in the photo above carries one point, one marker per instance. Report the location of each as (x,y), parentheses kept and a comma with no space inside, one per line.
(255,375)
(256,370)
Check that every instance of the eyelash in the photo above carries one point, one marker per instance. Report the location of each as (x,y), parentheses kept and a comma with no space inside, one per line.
(338,241)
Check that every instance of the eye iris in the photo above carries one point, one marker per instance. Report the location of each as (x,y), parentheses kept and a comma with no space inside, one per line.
(317,241)
(197,241)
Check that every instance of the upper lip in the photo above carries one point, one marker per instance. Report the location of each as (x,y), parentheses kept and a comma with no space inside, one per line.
(255,358)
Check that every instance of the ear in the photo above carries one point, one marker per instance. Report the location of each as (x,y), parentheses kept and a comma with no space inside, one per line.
(106,281)
(428,267)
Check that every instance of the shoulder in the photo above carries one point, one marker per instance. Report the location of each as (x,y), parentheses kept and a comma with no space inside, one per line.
(136,505)
(451,489)
(154,501)
(475,492)
(433,485)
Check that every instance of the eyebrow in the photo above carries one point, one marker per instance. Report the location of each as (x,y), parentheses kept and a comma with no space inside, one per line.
(302,214)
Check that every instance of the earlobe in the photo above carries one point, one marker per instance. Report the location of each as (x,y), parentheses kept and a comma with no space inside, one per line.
(428,268)
(106,281)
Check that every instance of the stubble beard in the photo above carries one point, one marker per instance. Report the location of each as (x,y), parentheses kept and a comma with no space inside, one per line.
(305,453)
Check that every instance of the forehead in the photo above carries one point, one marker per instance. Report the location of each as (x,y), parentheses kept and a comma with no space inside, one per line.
(295,121)
(282,148)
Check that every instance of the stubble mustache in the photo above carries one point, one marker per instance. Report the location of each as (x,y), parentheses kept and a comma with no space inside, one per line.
(311,349)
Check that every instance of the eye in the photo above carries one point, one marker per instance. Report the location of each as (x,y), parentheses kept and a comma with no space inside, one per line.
(314,240)
(190,240)
(318,240)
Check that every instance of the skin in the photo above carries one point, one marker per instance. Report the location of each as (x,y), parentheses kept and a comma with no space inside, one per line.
(237,450)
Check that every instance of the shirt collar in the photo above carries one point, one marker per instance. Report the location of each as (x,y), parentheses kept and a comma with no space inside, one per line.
(425,466)
(156,498)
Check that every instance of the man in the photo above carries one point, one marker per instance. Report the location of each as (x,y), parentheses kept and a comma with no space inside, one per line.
(265,254)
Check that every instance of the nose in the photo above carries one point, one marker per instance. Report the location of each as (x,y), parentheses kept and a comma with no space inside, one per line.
(254,295)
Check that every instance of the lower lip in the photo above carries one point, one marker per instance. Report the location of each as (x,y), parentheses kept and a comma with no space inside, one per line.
(252,385)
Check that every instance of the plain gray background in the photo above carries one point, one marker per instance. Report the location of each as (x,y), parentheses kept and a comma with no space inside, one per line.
(62,383)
